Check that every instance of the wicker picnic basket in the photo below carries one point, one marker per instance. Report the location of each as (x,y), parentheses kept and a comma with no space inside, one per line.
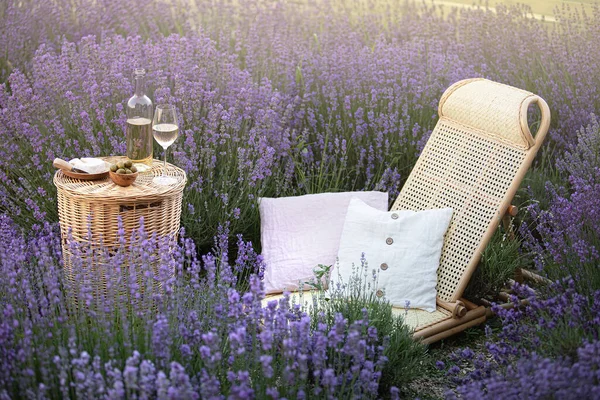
(89,214)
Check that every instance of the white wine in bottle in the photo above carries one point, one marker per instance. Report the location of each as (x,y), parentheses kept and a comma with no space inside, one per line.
(139,140)
(139,125)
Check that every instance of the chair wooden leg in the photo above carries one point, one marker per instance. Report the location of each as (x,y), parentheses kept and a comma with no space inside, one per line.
(450,324)
(533,277)
(453,331)
(519,275)
(511,212)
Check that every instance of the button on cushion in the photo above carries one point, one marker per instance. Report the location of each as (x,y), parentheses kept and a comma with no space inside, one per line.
(407,249)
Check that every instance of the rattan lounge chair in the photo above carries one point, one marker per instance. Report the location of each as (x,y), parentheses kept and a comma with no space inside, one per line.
(473,162)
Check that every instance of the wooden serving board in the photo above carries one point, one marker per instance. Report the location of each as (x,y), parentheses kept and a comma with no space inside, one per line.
(84,176)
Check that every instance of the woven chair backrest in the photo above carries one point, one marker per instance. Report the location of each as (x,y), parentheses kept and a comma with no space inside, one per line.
(474,162)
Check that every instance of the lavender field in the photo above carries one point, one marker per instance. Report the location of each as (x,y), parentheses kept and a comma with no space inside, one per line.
(282,98)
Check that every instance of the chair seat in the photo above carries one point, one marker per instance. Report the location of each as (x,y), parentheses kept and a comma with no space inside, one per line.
(413,318)
(421,319)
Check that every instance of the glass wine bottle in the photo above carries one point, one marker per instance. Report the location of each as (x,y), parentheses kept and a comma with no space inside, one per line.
(139,124)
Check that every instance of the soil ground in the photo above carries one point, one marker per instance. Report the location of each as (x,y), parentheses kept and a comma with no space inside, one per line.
(435,384)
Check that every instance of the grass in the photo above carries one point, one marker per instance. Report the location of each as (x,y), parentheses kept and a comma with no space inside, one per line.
(499,262)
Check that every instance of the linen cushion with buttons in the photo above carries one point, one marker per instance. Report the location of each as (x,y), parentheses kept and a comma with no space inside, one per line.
(299,233)
(403,247)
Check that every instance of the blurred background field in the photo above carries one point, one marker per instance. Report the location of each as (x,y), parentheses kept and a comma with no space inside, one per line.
(539,7)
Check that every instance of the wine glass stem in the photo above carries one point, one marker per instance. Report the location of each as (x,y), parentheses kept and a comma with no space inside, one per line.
(165,164)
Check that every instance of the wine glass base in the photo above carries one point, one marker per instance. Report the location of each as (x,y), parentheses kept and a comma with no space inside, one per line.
(142,167)
(164,180)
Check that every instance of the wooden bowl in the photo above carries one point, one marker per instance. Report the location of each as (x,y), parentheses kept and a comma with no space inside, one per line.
(123,179)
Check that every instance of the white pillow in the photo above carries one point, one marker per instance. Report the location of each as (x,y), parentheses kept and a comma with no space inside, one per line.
(403,247)
(299,233)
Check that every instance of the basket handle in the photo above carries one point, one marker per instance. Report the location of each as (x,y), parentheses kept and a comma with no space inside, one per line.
(125,208)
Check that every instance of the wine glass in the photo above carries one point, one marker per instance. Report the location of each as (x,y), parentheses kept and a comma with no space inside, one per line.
(165,129)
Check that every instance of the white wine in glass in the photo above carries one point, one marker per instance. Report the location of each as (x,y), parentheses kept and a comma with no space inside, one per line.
(165,134)
(165,129)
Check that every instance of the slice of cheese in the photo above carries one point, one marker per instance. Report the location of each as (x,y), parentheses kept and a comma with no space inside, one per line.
(89,165)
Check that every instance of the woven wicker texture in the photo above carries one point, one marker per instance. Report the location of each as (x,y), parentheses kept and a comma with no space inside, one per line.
(420,319)
(89,210)
(473,162)
(489,107)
